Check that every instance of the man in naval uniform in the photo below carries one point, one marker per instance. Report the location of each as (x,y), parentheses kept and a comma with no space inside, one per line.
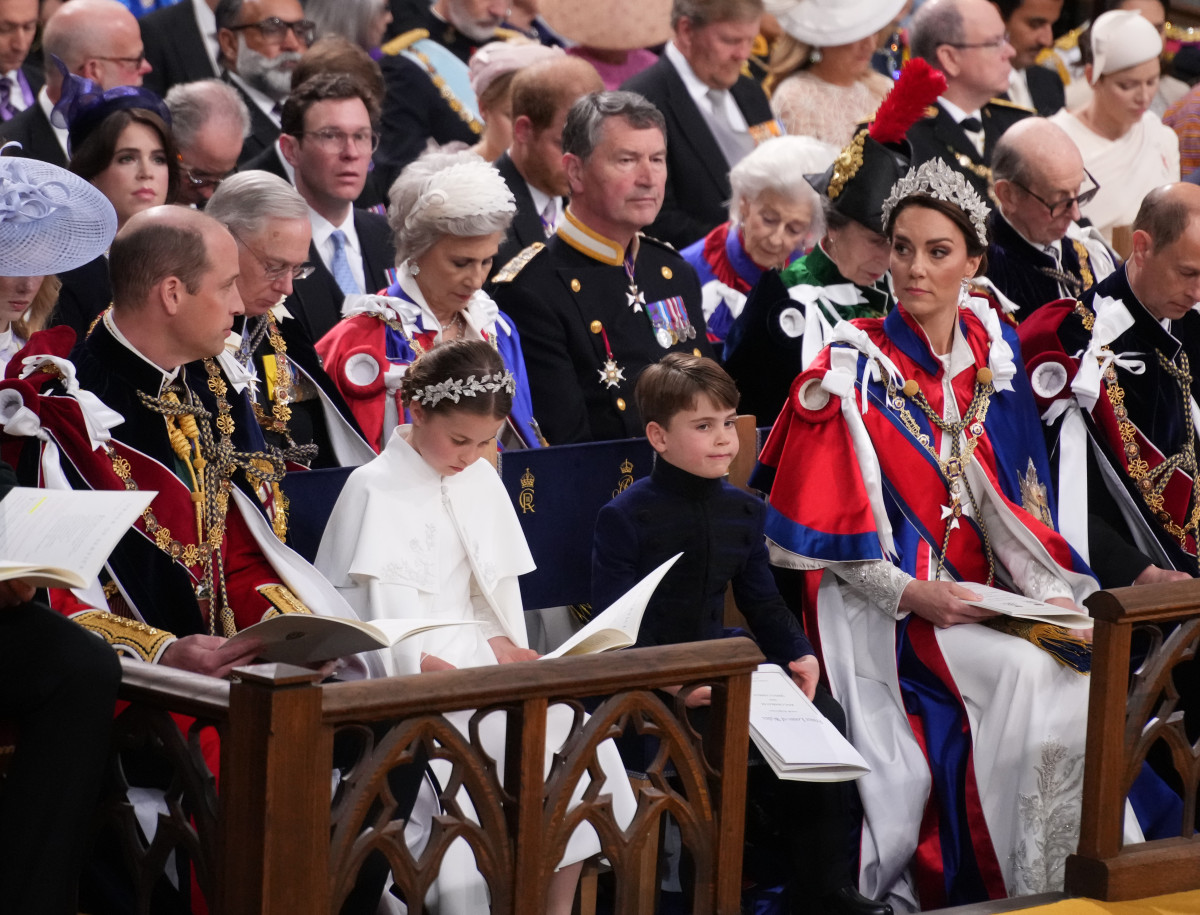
(1038,252)
(966,40)
(1115,376)
(599,301)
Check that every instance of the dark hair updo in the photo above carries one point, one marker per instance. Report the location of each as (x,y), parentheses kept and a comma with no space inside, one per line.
(452,364)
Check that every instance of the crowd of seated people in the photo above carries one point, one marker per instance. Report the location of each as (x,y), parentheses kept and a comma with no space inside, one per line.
(940,248)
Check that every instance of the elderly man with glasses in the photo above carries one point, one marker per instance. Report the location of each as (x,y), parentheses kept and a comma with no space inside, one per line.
(1039,252)
(966,40)
(261,43)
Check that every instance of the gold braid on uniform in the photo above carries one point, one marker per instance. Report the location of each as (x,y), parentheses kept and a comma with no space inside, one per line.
(211,476)
(281,411)
(128,637)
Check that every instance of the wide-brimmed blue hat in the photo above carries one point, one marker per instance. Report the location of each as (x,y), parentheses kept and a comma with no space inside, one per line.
(50,219)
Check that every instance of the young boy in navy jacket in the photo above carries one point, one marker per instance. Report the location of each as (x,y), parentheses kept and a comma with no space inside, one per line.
(689,406)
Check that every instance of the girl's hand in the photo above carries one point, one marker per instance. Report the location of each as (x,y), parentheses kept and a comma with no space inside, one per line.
(431,662)
(1067,604)
(507,653)
(806,671)
(700,696)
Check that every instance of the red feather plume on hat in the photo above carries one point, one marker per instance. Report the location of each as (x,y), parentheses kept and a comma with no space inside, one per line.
(917,87)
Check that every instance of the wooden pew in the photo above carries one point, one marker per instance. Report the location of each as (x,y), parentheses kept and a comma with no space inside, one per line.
(1125,719)
(271,842)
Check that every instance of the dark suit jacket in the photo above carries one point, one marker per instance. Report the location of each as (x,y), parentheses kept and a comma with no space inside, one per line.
(263,131)
(940,137)
(174,48)
(697,174)
(86,292)
(32,130)
(1046,87)
(316,301)
(527,223)
(269,161)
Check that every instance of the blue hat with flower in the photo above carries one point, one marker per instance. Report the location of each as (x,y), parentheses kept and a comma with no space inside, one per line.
(83,105)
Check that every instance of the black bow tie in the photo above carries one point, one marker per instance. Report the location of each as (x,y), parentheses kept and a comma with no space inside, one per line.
(971,125)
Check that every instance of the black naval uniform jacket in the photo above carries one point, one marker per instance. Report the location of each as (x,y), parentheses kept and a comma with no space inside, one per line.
(719,528)
(939,137)
(564,303)
(1019,269)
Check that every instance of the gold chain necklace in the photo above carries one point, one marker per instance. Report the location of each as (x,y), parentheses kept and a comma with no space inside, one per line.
(953,469)
(1151,484)
(281,397)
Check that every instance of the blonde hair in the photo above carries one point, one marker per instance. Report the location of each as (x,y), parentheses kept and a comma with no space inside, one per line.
(38,312)
(788,55)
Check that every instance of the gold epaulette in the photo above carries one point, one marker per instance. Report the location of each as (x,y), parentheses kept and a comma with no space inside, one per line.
(931,111)
(282,600)
(509,271)
(128,637)
(1070,40)
(403,42)
(1005,103)
(657,241)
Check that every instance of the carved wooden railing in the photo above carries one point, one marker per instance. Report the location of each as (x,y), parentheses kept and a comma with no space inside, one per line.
(270,840)
(1126,717)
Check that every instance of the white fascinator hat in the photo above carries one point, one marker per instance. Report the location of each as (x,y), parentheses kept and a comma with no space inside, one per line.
(1121,39)
(50,219)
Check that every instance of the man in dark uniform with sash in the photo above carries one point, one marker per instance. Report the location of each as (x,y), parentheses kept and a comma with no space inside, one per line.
(599,301)
(1038,253)
(1115,375)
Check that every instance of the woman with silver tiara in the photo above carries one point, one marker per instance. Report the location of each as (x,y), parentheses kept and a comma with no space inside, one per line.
(907,472)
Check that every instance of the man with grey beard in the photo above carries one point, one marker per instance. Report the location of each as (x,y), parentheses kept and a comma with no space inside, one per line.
(261,44)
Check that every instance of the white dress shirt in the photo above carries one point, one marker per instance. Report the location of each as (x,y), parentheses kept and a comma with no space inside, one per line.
(322,229)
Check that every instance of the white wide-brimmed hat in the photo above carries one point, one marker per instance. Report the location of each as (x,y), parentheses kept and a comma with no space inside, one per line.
(829,23)
(1121,39)
(50,219)
(612,25)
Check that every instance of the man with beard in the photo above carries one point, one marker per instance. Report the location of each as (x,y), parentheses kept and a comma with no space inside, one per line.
(429,91)
(261,44)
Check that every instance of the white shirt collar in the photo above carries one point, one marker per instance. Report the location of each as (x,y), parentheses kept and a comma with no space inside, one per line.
(288,169)
(167,376)
(696,87)
(955,112)
(322,228)
(47,107)
(541,198)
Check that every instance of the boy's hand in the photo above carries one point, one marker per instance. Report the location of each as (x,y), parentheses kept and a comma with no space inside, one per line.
(806,671)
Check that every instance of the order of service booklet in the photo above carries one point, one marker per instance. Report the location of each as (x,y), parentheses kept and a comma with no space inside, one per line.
(306,638)
(616,627)
(797,741)
(60,538)
(1026,608)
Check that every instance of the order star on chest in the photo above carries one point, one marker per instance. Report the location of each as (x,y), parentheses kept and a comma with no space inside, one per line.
(635,298)
(611,375)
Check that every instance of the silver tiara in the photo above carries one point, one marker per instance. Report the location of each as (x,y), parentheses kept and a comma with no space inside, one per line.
(454,390)
(938,180)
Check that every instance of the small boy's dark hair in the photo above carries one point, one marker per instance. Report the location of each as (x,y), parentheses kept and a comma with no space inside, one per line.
(457,361)
(673,383)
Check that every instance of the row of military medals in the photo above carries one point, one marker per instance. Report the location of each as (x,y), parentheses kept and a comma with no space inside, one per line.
(668,318)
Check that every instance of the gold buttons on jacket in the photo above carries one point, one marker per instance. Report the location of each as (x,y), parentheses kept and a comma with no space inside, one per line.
(621,404)
(667,273)
(696,352)
(596,327)
(575,287)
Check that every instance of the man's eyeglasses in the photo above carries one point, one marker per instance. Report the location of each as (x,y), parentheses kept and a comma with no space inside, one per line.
(994,44)
(1064,206)
(332,140)
(200,180)
(274,29)
(133,63)
(276,271)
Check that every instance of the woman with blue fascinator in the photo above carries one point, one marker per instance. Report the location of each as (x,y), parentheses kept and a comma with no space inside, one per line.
(120,140)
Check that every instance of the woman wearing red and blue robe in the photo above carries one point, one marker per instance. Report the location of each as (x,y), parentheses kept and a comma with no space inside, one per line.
(908,464)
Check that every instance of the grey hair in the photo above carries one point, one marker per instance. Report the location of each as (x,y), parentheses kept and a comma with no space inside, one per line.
(446,193)
(352,19)
(244,203)
(936,23)
(780,165)
(1009,165)
(705,12)
(227,13)
(193,105)
(585,120)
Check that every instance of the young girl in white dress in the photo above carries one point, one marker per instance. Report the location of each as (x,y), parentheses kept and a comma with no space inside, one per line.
(426,530)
